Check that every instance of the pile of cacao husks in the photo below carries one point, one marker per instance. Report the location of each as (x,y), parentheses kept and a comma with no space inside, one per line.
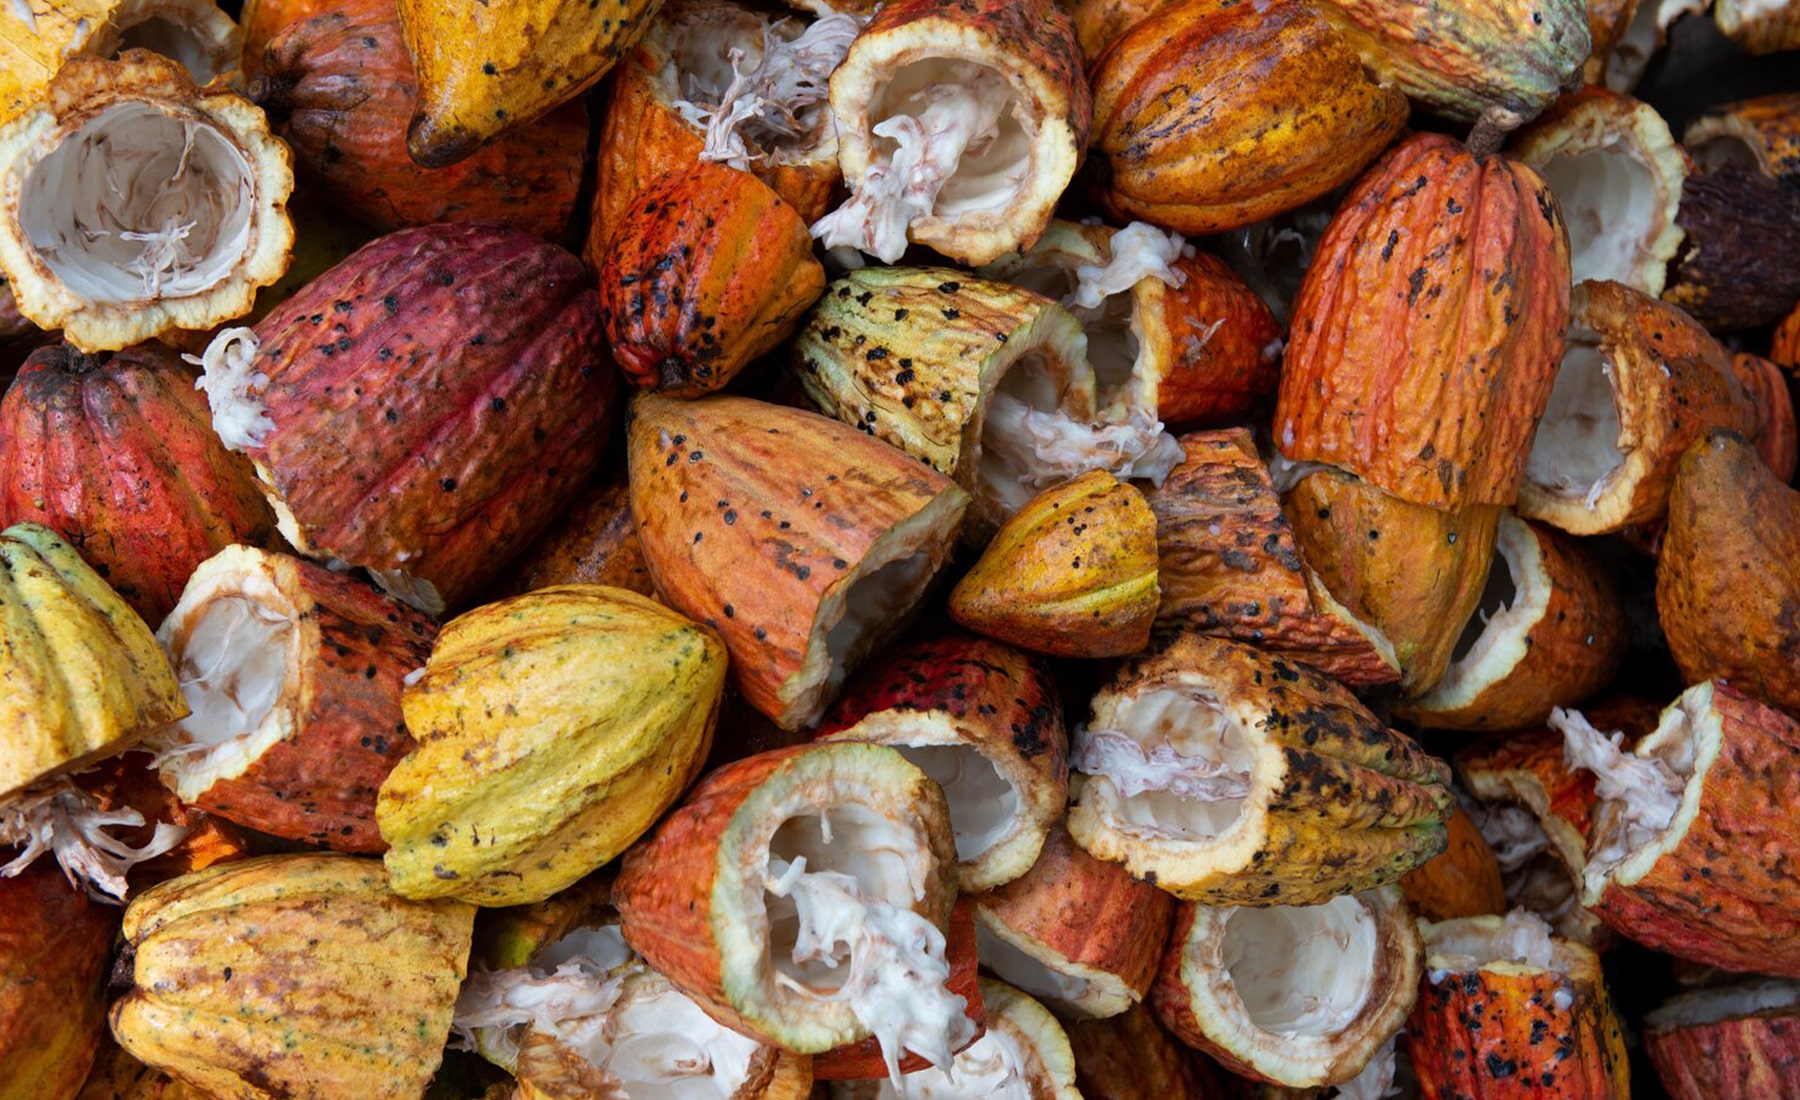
(937,549)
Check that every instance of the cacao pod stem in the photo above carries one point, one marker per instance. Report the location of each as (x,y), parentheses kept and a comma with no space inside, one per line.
(1490,130)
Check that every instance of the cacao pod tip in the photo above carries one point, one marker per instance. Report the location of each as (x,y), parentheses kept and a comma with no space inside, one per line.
(433,146)
(1719,439)
(272,93)
(124,972)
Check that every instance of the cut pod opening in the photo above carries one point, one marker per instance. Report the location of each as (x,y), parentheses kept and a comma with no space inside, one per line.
(1113,344)
(1020,968)
(1095,281)
(975,114)
(1576,449)
(1711,1006)
(602,945)
(232,666)
(1642,791)
(1547,886)
(139,204)
(846,840)
(175,41)
(1306,995)
(1613,207)
(1031,441)
(1514,599)
(838,893)
(985,807)
(236,652)
(1723,149)
(997,1066)
(1497,596)
(1027,442)
(872,605)
(867,604)
(1302,970)
(1643,37)
(657,1044)
(947,140)
(1531,868)
(1176,766)
(754,85)
(1471,943)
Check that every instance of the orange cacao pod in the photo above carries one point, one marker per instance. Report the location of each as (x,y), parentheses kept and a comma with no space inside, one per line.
(1428,329)
(1181,139)
(706,271)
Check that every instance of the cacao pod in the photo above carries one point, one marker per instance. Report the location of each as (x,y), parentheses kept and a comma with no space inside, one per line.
(424,408)
(339,89)
(1422,352)
(189,253)
(116,452)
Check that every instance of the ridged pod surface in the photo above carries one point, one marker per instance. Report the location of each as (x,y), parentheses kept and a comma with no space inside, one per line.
(1071,574)
(1084,919)
(340,89)
(483,69)
(1462,58)
(54,942)
(1181,139)
(1428,329)
(914,356)
(117,453)
(425,407)
(1728,578)
(802,542)
(1410,571)
(595,541)
(553,729)
(1463,882)
(81,675)
(250,980)
(706,271)
(1133,1057)
(1229,565)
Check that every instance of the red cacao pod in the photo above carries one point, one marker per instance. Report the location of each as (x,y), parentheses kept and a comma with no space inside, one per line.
(116,452)
(424,408)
